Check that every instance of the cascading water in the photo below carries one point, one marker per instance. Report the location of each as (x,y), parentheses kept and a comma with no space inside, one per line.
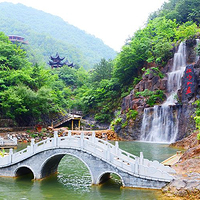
(160,123)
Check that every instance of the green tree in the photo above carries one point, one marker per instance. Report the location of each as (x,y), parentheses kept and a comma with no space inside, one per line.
(11,56)
(102,70)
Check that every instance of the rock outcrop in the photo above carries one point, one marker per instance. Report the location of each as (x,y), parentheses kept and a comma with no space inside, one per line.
(153,80)
(187,180)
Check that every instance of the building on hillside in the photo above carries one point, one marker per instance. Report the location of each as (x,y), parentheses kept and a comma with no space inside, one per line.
(57,62)
(17,39)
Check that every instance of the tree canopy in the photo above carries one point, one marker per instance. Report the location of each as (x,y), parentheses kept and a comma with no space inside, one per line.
(28,91)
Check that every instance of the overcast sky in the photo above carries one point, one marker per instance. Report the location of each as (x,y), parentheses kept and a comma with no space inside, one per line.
(113,21)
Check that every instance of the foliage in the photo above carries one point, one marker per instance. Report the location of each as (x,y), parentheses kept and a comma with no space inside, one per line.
(131,114)
(198,49)
(102,70)
(186,30)
(124,124)
(29,90)
(151,44)
(11,56)
(145,93)
(152,96)
(198,136)
(136,80)
(197,112)
(2,153)
(154,70)
(181,10)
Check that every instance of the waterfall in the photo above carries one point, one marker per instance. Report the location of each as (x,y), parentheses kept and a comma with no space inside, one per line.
(160,123)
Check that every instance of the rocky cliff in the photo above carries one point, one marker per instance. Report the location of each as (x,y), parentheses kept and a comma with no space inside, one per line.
(147,94)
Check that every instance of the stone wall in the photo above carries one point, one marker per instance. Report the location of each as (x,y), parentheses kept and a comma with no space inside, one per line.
(7,123)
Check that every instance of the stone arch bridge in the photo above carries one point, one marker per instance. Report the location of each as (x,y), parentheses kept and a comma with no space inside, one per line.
(101,158)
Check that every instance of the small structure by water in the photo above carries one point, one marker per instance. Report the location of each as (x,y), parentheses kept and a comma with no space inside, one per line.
(8,143)
(173,159)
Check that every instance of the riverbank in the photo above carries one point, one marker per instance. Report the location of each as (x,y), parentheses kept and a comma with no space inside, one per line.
(26,135)
(187,181)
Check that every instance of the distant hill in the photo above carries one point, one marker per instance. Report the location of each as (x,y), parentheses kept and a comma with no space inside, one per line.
(48,34)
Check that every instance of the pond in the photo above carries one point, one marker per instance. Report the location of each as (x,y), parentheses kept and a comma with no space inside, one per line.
(73,180)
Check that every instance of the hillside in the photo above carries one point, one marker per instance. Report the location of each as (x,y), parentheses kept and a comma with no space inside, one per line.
(48,34)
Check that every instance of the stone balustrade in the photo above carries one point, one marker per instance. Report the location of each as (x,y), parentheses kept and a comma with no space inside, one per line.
(112,154)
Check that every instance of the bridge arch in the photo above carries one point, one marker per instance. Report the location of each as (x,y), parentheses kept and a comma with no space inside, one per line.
(105,176)
(100,157)
(50,165)
(24,170)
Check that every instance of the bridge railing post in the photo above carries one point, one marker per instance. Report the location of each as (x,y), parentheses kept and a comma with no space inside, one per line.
(69,133)
(108,155)
(81,140)
(55,138)
(141,158)
(10,155)
(1,141)
(136,171)
(15,140)
(116,148)
(93,137)
(32,146)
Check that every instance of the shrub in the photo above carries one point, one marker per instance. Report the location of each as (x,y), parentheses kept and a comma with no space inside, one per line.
(124,124)
(152,96)
(131,114)
(198,136)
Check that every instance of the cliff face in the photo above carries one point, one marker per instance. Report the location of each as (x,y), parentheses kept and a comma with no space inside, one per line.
(154,80)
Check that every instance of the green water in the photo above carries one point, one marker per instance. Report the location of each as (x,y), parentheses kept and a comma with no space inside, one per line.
(73,180)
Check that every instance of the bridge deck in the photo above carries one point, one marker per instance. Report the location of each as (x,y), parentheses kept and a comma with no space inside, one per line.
(102,150)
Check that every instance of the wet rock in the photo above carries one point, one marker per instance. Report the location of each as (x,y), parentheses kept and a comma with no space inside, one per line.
(189,84)
(181,193)
(187,142)
(178,184)
(163,84)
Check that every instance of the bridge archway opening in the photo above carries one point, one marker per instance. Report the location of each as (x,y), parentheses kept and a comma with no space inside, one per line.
(24,173)
(71,170)
(110,179)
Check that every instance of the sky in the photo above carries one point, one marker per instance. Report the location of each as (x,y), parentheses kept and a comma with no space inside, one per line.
(113,21)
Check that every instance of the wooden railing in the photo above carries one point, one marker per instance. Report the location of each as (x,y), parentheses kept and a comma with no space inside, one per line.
(66,117)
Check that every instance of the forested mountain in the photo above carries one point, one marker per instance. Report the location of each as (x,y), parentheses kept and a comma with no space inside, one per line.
(48,34)
(180,10)
(100,91)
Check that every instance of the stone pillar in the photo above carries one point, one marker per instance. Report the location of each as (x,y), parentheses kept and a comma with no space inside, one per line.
(93,137)
(69,133)
(82,138)
(108,153)
(55,138)
(136,171)
(32,146)
(15,140)
(116,148)
(141,158)
(10,155)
